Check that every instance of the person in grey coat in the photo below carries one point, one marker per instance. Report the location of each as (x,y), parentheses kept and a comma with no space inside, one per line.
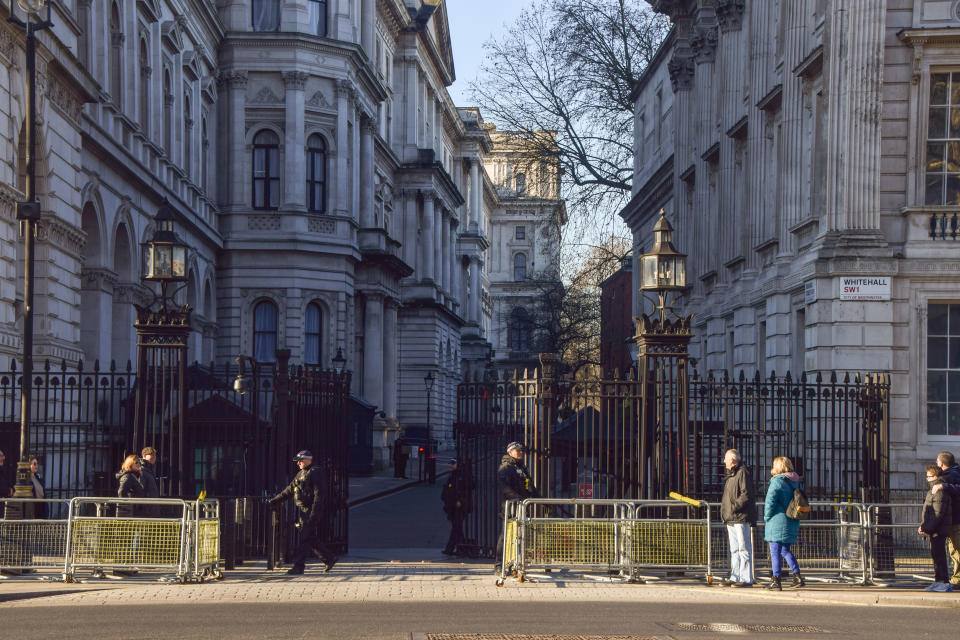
(935,523)
(738,512)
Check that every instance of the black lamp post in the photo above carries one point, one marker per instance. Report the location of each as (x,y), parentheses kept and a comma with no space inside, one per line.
(428,381)
(28,213)
(162,336)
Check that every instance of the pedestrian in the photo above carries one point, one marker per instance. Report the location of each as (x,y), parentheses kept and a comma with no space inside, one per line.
(738,512)
(149,474)
(950,481)
(400,456)
(779,530)
(456,504)
(309,492)
(130,485)
(515,484)
(6,482)
(36,510)
(935,523)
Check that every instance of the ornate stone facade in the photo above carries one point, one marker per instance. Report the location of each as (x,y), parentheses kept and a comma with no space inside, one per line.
(332,195)
(798,157)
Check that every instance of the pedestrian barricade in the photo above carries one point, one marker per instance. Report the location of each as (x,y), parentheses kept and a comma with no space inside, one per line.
(33,533)
(898,554)
(640,540)
(623,539)
(126,534)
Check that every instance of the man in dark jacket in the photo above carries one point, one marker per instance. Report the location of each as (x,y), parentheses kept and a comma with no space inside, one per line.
(149,477)
(515,484)
(738,512)
(935,519)
(309,493)
(6,483)
(950,481)
(456,504)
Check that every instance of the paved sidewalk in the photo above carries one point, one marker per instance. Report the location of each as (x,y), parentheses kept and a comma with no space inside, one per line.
(382,483)
(423,575)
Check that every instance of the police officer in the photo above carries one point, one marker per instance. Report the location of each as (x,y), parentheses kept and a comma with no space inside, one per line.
(515,484)
(309,492)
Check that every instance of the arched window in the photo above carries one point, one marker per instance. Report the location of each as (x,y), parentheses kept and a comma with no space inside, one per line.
(521,183)
(312,345)
(266,170)
(116,55)
(266,15)
(316,174)
(265,331)
(144,98)
(518,330)
(519,267)
(318,16)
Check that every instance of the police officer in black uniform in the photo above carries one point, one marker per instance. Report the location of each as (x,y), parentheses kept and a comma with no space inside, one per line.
(515,484)
(309,492)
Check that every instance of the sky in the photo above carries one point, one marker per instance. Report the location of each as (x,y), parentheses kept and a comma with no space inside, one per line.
(472,22)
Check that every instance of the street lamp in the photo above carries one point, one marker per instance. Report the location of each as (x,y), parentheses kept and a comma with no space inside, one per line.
(28,213)
(165,255)
(664,269)
(241,385)
(339,361)
(428,381)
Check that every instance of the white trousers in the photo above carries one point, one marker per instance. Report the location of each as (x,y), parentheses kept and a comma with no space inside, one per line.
(741,552)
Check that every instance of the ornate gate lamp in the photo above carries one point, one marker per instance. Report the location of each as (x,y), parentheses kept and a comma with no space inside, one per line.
(664,269)
(339,361)
(28,213)
(165,255)
(162,351)
(662,344)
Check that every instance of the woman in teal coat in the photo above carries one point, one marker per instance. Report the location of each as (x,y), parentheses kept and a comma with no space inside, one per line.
(780,531)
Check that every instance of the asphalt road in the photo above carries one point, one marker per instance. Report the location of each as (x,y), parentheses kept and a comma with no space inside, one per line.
(412,518)
(417,620)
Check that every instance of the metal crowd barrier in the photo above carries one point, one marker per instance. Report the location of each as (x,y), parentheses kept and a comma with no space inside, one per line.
(28,543)
(844,542)
(125,534)
(622,538)
(898,554)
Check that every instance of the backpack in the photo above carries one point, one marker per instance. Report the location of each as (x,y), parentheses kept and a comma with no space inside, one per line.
(799,506)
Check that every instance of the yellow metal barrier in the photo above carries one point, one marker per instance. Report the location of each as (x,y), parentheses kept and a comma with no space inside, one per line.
(117,542)
(664,543)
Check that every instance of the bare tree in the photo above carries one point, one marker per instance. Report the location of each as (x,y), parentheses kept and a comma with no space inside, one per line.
(565,316)
(568,67)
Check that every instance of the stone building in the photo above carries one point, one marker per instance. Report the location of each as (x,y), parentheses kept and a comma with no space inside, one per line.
(526,219)
(332,195)
(806,152)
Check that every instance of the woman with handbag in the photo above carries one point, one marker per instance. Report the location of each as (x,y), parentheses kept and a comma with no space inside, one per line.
(781,531)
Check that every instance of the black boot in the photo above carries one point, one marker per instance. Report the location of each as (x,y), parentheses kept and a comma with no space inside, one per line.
(775,585)
(798,581)
(329,561)
(296,569)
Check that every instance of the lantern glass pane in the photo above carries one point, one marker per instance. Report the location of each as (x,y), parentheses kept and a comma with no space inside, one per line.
(147,261)
(179,262)
(162,260)
(32,6)
(648,272)
(680,272)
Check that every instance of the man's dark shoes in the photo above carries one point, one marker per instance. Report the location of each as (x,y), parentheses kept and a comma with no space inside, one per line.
(329,561)
(741,584)
(726,582)
(295,570)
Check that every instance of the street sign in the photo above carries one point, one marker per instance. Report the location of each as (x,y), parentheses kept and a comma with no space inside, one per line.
(865,288)
(586,491)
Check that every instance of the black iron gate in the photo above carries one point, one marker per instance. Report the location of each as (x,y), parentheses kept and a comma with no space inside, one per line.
(644,436)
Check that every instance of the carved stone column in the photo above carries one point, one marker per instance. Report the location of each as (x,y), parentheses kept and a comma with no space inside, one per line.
(373,349)
(294,144)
